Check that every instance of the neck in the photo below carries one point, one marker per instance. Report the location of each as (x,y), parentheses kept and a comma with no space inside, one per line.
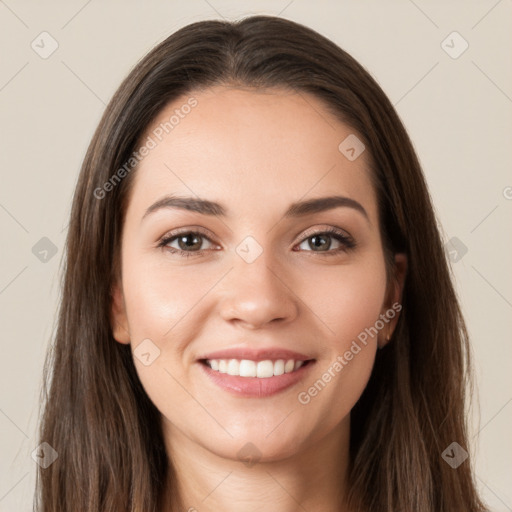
(311,479)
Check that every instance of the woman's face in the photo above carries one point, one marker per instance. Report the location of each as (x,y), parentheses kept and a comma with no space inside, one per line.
(258,285)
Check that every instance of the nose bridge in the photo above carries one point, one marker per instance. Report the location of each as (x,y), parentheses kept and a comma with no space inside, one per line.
(255,292)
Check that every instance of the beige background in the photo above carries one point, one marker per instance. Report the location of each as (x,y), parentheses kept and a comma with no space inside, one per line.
(457,111)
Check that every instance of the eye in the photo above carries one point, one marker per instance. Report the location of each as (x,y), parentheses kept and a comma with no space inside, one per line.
(188,242)
(321,240)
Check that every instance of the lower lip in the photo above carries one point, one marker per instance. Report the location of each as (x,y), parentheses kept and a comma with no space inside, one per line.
(255,387)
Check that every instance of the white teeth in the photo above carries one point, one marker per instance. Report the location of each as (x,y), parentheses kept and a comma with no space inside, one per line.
(248,368)
(279,367)
(223,366)
(233,367)
(289,366)
(265,369)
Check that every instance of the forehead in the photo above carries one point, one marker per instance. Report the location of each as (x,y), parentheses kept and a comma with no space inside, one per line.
(249,146)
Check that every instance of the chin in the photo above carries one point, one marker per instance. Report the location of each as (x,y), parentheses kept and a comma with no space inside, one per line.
(252,449)
(265,438)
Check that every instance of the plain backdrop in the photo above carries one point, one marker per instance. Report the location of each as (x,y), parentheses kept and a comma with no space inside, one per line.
(445,65)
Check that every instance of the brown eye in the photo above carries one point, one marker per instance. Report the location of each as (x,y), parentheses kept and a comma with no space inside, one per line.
(190,241)
(185,243)
(321,242)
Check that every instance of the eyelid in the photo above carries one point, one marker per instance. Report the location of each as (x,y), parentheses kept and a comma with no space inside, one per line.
(186,230)
(325,229)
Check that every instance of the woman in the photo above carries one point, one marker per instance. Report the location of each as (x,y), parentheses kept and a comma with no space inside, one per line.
(257,309)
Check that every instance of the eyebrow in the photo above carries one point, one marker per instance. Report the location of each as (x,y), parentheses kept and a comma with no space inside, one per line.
(297,209)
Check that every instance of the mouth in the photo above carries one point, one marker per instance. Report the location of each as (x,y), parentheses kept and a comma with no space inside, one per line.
(250,378)
(248,368)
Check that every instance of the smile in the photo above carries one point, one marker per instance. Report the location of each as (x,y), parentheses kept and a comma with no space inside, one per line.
(246,378)
(248,368)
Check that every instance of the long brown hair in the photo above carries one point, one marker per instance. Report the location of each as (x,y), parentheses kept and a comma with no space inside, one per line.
(97,416)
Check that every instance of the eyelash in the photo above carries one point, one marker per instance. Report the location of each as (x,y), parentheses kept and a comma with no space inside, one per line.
(347,242)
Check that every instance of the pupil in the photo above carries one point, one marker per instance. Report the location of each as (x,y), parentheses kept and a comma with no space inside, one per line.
(319,245)
(189,245)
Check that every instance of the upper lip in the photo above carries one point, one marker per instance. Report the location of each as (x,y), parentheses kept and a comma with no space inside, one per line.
(260,354)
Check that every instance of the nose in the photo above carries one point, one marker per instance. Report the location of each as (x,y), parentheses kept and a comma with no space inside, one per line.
(256,294)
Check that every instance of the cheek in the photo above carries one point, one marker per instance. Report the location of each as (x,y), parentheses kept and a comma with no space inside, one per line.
(160,307)
(159,296)
(347,299)
(349,302)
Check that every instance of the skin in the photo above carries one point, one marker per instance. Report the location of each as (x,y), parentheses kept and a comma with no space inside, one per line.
(255,152)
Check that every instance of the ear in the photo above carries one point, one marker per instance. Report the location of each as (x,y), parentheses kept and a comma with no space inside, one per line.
(393,304)
(118,317)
